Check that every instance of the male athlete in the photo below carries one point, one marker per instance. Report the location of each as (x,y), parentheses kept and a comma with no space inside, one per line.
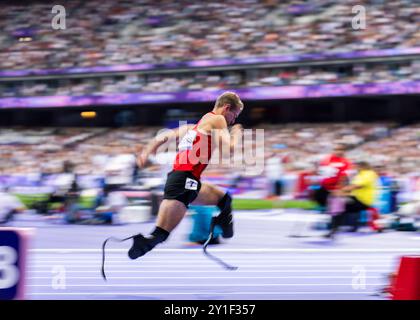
(183,184)
(334,172)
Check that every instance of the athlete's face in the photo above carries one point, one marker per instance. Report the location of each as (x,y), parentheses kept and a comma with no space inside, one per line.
(339,151)
(231,114)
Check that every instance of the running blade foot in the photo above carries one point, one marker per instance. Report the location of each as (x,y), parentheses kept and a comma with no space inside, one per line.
(226,223)
(140,247)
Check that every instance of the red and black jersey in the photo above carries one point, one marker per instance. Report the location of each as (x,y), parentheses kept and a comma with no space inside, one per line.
(333,169)
(195,151)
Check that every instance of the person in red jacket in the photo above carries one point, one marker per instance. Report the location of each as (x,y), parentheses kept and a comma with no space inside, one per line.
(334,173)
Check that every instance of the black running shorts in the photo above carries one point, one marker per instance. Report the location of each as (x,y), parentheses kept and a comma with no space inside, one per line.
(182,186)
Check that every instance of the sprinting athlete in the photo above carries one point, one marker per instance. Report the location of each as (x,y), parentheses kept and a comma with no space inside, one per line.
(183,184)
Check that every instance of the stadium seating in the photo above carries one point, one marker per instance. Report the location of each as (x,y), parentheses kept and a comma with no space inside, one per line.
(134,31)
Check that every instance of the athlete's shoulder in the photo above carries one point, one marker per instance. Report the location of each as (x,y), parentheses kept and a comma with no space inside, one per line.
(216,120)
(326,160)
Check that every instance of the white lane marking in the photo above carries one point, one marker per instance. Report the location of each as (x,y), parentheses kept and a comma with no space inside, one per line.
(239,250)
(202,259)
(206,270)
(169,266)
(184,277)
(199,293)
(204,263)
(205,285)
(286,218)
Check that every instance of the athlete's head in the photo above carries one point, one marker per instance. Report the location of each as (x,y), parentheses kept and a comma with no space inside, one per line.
(229,105)
(339,150)
(362,165)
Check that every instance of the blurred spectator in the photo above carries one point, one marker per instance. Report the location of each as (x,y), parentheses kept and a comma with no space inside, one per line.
(362,195)
(274,172)
(9,205)
(333,171)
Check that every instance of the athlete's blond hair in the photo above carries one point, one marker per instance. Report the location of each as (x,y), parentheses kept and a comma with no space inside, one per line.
(229,98)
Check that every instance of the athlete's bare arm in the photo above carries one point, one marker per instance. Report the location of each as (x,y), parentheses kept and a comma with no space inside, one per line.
(217,125)
(159,140)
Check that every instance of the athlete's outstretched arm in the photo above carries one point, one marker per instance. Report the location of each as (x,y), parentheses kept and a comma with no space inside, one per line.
(159,140)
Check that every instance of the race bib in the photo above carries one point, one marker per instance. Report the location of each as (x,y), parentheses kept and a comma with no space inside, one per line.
(191,184)
(187,141)
(328,171)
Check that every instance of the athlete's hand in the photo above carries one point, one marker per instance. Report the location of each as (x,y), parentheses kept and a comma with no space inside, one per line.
(142,159)
(237,129)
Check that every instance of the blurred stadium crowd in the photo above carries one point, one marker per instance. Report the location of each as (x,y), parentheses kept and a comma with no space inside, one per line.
(299,146)
(93,163)
(144,31)
(358,73)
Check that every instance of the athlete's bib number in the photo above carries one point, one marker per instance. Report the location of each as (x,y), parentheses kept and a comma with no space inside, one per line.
(191,184)
(328,171)
(9,273)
